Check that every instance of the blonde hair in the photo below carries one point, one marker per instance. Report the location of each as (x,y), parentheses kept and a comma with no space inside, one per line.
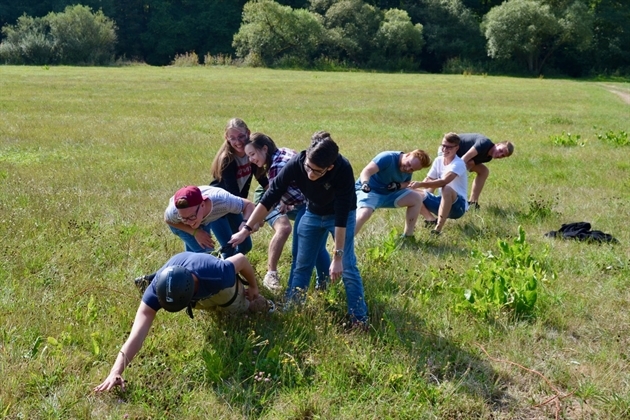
(225,155)
(423,157)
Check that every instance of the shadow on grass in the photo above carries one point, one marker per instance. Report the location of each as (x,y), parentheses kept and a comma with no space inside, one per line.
(250,361)
(440,359)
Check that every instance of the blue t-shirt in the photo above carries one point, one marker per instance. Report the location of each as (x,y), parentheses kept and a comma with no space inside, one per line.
(388,172)
(214,275)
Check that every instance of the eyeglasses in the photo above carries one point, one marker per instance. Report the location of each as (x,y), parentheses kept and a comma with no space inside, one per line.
(240,138)
(447,147)
(191,218)
(315,171)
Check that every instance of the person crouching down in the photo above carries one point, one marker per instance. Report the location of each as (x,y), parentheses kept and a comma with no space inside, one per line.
(190,281)
(448,173)
(383,184)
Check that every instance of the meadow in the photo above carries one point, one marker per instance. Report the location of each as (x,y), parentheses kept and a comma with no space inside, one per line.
(90,156)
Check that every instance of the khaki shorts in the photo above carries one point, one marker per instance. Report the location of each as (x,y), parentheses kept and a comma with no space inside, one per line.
(240,304)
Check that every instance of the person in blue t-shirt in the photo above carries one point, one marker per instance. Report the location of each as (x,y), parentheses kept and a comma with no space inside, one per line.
(383,184)
(193,281)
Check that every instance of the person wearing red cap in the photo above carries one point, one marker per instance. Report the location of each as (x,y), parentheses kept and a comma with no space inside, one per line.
(193,210)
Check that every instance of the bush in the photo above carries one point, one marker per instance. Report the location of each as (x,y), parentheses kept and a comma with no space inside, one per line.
(83,37)
(76,36)
(189,59)
(28,42)
(219,60)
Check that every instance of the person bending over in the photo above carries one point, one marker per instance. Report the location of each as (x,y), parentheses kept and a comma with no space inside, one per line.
(190,281)
(476,149)
(263,152)
(325,178)
(383,184)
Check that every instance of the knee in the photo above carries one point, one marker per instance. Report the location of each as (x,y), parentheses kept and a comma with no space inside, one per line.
(482,170)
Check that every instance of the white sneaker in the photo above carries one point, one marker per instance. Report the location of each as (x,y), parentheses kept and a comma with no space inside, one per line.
(272,282)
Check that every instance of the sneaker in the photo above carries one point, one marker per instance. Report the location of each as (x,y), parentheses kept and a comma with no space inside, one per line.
(473,205)
(430,223)
(435,232)
(143,282)
(272,282)
(271,306)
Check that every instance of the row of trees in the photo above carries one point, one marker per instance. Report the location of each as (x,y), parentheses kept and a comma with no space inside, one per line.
(74,36)
(574,37)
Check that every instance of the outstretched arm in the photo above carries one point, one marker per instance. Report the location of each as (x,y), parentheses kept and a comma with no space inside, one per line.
(141,326)
(430,183)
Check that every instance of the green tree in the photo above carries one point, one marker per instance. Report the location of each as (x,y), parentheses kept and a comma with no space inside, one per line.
(352,29)
(81,36)
(530,31)
(399,41)
(450,29)
(271,31)
(27,42)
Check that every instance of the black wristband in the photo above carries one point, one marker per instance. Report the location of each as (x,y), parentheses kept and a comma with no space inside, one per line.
(248,228)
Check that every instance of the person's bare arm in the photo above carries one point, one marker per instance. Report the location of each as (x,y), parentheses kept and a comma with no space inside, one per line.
(369,170)
(245,269)
(141,326)
(430,183)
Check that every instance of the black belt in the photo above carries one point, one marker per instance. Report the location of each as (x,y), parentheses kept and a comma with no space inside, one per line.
(238,280)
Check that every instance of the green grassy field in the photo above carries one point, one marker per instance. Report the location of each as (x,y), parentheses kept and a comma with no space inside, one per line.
(90,156)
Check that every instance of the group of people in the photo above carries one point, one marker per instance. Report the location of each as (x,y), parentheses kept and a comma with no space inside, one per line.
(315,188)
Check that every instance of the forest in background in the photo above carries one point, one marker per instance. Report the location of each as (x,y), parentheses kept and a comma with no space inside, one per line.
(576,38)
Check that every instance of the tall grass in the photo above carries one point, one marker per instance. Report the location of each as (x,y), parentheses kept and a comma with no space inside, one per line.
(89,158)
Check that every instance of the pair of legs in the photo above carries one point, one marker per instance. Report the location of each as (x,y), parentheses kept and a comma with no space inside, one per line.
(448,205)
(482,172)
(223,228)
(367,203)
(312,233)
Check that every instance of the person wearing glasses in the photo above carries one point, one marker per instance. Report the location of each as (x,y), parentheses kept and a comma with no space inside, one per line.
(232,171)
(325,178)
(383,184)
(193,211)
(448,173)
(269,159)
(476,149)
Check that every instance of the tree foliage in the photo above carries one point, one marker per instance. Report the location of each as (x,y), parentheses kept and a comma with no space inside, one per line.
(531,31)
(271,31)
(75,36)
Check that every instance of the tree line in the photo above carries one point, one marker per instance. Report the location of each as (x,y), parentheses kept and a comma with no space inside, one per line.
(569,37)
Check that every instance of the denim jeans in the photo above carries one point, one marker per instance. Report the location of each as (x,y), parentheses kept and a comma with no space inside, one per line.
(223,228)
(312,233)
(322,262)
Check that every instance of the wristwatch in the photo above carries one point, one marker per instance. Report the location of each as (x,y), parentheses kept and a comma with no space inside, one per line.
(338,253)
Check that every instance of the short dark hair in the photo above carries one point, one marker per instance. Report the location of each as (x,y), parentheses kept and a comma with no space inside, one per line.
(452,138)
(323,150)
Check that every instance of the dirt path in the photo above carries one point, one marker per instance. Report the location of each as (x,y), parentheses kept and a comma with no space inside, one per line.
(624,95)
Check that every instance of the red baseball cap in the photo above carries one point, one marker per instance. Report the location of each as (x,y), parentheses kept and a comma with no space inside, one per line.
(191,194)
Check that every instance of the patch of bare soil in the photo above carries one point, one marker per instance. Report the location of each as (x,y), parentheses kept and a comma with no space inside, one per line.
(624,95)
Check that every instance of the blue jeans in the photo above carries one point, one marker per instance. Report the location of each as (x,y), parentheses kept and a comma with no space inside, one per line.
(312,233)
(322,262)
(223,228)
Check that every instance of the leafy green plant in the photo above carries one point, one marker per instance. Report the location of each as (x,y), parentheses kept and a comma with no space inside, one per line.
(380,253)
(567,140)
(508,282)
(618,139)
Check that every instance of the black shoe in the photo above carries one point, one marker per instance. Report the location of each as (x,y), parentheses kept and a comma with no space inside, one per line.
(143,282)
(435,232)
(430,223)
(473,205)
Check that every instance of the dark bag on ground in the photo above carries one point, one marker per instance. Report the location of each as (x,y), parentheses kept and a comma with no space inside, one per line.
(581,231)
